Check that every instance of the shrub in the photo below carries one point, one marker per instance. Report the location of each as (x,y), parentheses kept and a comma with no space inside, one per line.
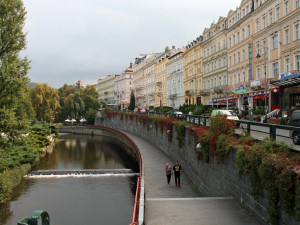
(180,129)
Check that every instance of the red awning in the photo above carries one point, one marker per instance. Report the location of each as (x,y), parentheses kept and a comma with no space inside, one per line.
(229,100)
(260,96)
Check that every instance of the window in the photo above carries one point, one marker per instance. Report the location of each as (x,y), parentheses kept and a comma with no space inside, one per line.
(249,31)
(243,13)
(243,34)
(244,55)
(230,80)
(270,17)
(264,46)
(239,57)
(277,13)
(224,80)
(257,73)
(275,42)
(239,78)
(234,79)
(275,69)
(219,63)
(233,39)
(224,61)
(287,36)
(286,8)
(298,62)
(233,59)
(297,4)
(257,49)
(244,76)
(238,37)
(264,21)
(297,32)
(220,81)
(247,9)
(224,44)
(257,25)
(287,65)
(229,60)
(219,46)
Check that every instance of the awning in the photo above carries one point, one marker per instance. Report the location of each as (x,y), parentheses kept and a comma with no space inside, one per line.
(287,80)
(259,96)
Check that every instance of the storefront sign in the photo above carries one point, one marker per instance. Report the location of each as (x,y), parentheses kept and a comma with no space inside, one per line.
(241,90)
(255,83)
(250,60)
(288,75)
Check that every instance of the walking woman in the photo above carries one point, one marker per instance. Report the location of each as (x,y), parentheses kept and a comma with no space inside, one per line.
(168,173)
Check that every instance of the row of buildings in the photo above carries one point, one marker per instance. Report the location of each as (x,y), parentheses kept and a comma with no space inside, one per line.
(251,58)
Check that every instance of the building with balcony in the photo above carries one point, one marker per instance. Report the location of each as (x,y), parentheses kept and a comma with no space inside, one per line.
(214,49)
(161,77)
(123,87)
(175,78)
(106,89)
(193,71)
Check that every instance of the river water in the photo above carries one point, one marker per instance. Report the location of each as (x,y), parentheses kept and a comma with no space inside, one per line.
(88,200)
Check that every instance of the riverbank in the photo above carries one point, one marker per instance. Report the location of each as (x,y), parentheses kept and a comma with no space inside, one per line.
(12,177)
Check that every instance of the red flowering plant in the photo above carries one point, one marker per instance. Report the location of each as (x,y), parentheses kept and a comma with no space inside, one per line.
(144,119)
(167,123)
(201,136)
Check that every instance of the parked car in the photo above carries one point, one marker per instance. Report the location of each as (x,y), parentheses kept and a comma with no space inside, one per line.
(178,115)
(294,121)
(231,115)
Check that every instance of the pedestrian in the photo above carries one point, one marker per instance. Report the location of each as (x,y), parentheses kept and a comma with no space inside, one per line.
(177,173)
(168,173)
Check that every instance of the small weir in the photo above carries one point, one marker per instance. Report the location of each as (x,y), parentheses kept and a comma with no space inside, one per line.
(80,173)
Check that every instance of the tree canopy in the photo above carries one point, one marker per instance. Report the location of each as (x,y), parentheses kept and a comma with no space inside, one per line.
(15,105)
(45,101)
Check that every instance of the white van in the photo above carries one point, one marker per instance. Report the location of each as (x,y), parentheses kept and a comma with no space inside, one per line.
(230,114)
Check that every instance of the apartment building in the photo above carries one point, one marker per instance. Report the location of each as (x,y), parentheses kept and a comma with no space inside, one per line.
(175,78)
(161,77)
(123,87)
(192,58)
(106,89)
(276,40)
(214,49)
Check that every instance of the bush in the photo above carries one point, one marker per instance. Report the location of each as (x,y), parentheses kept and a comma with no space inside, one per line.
(180,129)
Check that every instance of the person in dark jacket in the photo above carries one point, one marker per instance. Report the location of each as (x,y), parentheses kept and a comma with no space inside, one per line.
(177,173)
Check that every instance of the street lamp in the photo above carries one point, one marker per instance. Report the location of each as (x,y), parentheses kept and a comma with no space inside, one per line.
(258,56)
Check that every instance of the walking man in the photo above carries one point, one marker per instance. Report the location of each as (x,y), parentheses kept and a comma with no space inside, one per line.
(177,173)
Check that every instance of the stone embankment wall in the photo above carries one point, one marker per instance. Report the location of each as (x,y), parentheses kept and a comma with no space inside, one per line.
(107,135)
(212,179)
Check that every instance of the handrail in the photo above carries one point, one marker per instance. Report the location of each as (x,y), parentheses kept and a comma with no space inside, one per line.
(138,210)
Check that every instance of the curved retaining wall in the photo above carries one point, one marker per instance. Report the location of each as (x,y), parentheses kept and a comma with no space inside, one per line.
(212,179)
(130,148)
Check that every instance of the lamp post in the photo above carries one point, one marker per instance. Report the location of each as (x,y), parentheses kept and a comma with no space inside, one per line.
(258,56)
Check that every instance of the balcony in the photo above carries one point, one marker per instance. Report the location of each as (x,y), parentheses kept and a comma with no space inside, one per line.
(219,89)
(172,96)
(139,87)
(140,96)
(205,92)
(189,92)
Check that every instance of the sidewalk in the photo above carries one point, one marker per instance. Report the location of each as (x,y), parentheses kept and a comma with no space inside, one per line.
(170,205)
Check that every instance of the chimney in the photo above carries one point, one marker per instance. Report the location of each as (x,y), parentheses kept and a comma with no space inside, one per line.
(173,47)
(130,65)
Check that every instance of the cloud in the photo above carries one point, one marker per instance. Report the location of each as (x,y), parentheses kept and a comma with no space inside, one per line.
(74,40)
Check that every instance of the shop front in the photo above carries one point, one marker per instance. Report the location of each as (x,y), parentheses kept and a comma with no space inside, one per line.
(289,91)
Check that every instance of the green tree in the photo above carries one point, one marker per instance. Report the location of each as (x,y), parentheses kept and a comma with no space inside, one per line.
(90,116)
(132,101)
(45,101)
(15,106)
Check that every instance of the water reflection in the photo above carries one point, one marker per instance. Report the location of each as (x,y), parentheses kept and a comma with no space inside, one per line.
(88,200)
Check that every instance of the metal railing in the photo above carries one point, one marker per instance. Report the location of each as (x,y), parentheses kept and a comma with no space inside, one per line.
(257,130)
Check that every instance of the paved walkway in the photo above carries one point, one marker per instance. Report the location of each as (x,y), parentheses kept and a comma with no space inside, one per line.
(170,205)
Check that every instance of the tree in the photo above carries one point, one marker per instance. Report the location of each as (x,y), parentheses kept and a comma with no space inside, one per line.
(45,101)
(132,101)
(15,106)
(90,116)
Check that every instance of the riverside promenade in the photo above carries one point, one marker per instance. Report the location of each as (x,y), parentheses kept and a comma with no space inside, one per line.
(170,205)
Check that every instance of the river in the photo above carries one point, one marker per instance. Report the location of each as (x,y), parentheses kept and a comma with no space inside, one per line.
(88,200)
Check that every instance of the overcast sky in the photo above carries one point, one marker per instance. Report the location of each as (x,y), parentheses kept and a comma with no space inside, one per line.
(71,40)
